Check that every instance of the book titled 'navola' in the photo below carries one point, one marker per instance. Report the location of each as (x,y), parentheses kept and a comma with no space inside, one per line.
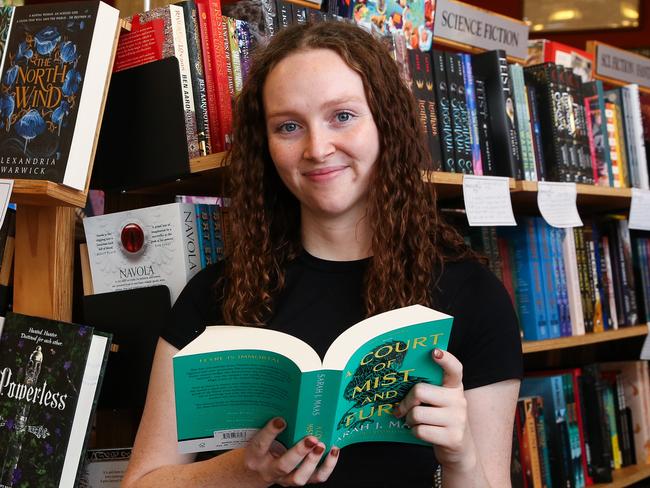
(55,68)
(230,381)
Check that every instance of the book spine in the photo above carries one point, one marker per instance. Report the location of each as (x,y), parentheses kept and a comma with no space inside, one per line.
(233,50)
(198,78)
(599,325)
(536,130)
(191,245)
(610,412)
(205,235)
(586,172)
(600,101)
(611,295)
(218,242)
(573,170)
(177,24)
(591,136)
(222,80)
(533,445)
(577,474)
(638,141)
(270,17)
(444,111)
(416,63)
(523,118)
(245,45)
(483,121)
(630,139)
(549,280)
(621,145)
(209,71)
(576,375)
(285,14)
(433,135)
(556,237)
(573,283)
(542,444)
(583,273)
(625,259)
(470,95)
(199,234)
(456,86)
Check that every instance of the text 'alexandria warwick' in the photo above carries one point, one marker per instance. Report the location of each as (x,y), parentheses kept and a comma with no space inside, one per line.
(24,166)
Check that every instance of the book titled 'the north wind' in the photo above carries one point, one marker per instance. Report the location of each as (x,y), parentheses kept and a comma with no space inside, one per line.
(55,69)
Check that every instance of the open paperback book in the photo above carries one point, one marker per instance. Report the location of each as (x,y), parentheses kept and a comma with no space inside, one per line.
(231,380)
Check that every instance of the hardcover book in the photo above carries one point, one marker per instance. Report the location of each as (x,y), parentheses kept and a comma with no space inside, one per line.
(144,247)
(230,381)
(55,69)
(50,377)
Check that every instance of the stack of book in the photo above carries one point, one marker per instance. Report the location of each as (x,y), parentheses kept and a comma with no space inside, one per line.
(572,427)
(567,282)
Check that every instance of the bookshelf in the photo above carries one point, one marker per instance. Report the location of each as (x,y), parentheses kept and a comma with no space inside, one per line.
(530,347)
(627,476)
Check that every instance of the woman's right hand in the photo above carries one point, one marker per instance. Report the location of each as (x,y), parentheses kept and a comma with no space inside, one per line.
(297,466)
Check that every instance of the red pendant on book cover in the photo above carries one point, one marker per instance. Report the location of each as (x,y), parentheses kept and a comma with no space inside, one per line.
(132,237)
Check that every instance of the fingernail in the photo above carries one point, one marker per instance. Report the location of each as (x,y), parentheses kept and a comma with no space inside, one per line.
(309,442)
(437,353)
(319,450)
(334,452)
(279,423)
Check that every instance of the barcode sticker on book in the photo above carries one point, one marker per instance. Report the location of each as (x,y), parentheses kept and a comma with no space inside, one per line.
(233,438)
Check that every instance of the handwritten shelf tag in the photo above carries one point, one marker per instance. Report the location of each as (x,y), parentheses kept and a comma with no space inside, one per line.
(487,200)
(640,209)
(557,204)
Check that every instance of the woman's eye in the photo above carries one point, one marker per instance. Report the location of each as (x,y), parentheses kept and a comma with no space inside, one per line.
(343,116)
(289,127)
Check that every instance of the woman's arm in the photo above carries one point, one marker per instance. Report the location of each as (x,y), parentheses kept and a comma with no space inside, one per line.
(155,461)
(471,431)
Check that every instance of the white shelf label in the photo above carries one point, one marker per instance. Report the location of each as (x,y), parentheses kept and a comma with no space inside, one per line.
(557,204)
(640,209)
(487,200)
(6,187)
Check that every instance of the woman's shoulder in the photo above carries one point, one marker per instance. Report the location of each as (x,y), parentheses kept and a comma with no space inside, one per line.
(463,279)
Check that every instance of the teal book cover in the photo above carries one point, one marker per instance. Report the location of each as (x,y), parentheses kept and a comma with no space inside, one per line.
(230,381)
(50,374)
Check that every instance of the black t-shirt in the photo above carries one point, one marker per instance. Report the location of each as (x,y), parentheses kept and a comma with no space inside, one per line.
(323,298)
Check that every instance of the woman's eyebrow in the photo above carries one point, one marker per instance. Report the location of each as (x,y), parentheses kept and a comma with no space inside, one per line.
(284,112)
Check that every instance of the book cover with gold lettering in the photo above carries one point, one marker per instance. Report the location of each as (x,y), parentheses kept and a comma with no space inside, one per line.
(230,381)
(52,89)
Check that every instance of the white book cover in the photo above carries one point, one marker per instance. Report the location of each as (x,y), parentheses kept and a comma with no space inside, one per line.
(573,283)
(143,247)
(637,132)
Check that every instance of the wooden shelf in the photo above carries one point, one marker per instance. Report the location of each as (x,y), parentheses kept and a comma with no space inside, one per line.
(627,476)
(583,340)
(450,185)
(591,197)
(46,193)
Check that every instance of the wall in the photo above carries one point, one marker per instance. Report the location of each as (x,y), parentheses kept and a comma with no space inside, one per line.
(625,38)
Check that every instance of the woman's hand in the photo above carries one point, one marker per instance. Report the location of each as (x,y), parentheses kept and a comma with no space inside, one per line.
(438,414)
(298,466)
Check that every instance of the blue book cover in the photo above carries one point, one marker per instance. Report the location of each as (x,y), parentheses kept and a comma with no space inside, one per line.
(549,278)
(557,236)
(472,114)
(199,233)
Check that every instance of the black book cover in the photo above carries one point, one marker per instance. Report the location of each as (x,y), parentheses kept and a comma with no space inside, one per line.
(492,68)
(420,65)
(285,13)
(445,129)
(459,118)
(596,422)
(485,133)
(582,136)
(559,74)
(535,127)
(42,82)
(46,367)
(553,123)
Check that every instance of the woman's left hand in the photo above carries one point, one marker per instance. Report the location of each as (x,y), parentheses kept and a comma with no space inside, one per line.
(438,414)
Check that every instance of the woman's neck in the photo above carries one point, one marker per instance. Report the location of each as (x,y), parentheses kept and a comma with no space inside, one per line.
(337,239)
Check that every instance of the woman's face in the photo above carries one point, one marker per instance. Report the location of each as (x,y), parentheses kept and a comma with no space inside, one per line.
(321,133)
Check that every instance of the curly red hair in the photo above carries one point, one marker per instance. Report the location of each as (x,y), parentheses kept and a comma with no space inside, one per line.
(409,242)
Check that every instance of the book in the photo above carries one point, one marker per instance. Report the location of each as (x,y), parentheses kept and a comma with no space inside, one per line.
(55,70)
(144,247)
(159,34)
(50,377)
(105,468)
(230,381)
(492,68)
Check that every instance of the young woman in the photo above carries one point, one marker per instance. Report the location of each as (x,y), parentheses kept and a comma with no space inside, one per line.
(332,223)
